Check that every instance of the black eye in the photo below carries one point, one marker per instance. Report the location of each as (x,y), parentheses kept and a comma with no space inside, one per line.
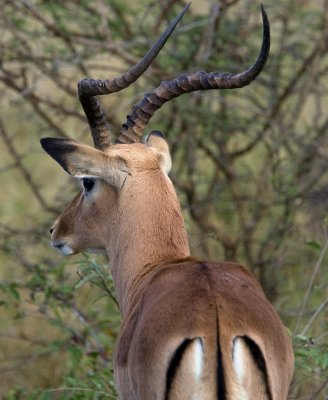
(87,184)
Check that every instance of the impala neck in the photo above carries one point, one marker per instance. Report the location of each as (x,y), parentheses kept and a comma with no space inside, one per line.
(150,231)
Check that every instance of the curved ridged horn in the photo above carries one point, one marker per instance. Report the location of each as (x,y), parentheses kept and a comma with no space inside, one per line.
(88,89)
(133,128)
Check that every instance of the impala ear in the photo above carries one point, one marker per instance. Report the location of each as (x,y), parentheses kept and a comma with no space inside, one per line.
(83,161)
(156,140)
(77,159)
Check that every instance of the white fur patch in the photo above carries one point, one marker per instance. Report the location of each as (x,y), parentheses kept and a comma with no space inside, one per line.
(238,359)
(198,357)
(239,365)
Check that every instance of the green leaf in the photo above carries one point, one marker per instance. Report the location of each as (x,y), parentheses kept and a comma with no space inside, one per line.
(46,395)
(76,354)
(312,243)
(324,361)
(85,279)
(11,289)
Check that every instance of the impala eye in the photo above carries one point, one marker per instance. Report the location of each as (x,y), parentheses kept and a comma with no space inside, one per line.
(88,184)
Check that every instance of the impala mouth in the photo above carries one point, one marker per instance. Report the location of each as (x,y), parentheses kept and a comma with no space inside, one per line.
(63,248)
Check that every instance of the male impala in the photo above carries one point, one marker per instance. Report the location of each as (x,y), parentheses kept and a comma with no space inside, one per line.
(191,329)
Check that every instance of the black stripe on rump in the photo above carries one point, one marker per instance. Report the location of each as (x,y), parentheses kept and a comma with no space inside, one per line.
(259,361)
(174,365)
(221,387)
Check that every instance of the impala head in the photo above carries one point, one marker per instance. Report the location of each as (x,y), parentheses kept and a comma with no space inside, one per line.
(116,177)
(109,178)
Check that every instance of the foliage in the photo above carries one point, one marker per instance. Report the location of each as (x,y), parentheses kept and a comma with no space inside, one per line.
(310,355)
(249,166)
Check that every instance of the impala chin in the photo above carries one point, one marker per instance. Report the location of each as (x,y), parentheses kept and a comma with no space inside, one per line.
(63,248)
(67,251)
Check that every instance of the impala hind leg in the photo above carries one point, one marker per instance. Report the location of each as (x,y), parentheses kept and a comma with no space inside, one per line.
(185,376)
(251,379)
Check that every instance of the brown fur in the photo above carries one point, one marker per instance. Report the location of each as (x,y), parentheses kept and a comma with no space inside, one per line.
(169,302)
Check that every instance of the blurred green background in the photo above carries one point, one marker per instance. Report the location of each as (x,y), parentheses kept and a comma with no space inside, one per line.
(249,165)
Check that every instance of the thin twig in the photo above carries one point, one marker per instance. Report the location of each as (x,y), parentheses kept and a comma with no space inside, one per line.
(23,170)
(317,391)
(318,311)
(309,289)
